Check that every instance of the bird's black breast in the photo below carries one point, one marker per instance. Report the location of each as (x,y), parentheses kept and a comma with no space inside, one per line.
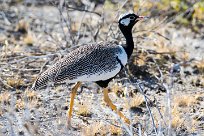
(104,83)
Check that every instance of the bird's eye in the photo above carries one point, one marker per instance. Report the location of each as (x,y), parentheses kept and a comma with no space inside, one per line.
(132,17)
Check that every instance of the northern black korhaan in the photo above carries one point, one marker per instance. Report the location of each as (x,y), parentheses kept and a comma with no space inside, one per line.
(99,62)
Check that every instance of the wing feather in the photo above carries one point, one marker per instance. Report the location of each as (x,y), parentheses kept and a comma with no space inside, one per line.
(85,61)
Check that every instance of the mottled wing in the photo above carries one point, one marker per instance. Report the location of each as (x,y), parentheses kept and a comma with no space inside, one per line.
(86,63)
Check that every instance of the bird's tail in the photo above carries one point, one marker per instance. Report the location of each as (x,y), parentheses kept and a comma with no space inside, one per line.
(41,82)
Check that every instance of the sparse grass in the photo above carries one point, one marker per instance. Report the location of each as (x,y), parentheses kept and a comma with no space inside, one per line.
(198,81)
(29,39)
(184,100)
(161,47)
(15,82)
(22,27)
(177,119)
(99,128)
(141,61)
(200,65)
(181,120)
(96,128)
(200,97)
(31,95)
(185,56)
(83,109)
(118,89)
(20,104)
(116,131)
(136,101)
(181,108)
(165,51)
(5,97)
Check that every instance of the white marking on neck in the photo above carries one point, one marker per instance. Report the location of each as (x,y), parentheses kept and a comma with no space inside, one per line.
(125,21)
(122,56)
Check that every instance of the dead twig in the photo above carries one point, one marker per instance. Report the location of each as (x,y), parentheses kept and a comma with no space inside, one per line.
(76,41)
(83,10)
(118,12)
(147,105)
(145,98)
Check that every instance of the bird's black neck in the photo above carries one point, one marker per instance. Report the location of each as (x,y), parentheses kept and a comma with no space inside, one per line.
(129,46)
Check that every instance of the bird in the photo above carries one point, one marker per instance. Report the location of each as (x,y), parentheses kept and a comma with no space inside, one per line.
(99,63)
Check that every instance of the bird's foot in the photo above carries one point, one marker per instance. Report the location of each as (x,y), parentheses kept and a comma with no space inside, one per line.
(69,126)
(126,120)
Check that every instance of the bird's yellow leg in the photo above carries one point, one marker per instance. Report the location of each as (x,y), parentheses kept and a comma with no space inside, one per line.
(112,106)
(72,96)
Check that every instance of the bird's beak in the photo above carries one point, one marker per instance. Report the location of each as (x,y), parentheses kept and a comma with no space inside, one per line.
(141,17)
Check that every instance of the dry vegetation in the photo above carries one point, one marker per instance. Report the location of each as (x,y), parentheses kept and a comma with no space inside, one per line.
(161,90)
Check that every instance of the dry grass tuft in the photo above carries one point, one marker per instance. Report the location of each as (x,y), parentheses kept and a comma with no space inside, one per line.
(184,100)
(94,129)
(22,27)
(33,99)
(141,61)
(136,101)
(5,97)
(99,128)
(177,120)
(15,82)
(200,96)
(198,81)
(31,95)
(29,39)
(179,117)
(185,56)
(116,131)
(19,104)
(162,47)
(117,88)
(84,110)
(200,66)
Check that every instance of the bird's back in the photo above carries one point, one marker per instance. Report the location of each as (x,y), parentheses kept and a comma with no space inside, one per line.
(91,62)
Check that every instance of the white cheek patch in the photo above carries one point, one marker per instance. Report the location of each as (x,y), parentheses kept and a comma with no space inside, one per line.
(125,21)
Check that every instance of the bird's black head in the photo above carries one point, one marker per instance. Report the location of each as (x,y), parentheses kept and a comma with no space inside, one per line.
(128,20)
